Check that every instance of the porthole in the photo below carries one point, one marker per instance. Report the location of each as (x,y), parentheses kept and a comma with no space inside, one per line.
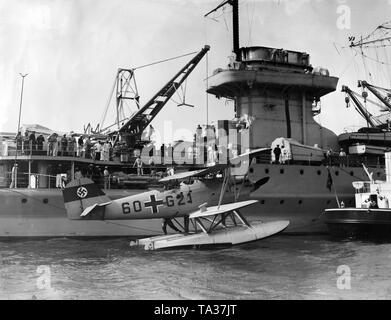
(262,201)
(282,171)
(350,202)
(300,201)
(328,202)
(337,173)
(378,174)
(266,170)
(281,201)
(352,173)
(24,200)
(45,200)
(319,172)
(251,170)
(301,171)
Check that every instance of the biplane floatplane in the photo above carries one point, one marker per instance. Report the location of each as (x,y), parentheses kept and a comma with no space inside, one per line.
(185,195)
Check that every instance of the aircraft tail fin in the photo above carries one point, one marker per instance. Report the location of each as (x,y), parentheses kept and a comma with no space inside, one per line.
(82,196)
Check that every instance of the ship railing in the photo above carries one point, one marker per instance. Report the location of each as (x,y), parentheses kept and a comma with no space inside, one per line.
(354,161)
(35,180)
(28,149)
(351,129)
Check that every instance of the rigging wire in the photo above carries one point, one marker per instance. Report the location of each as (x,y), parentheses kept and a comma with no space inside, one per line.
(108,103)
(165,60)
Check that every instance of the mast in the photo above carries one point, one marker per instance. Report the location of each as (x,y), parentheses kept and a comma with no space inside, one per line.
(235,24)
(21,99)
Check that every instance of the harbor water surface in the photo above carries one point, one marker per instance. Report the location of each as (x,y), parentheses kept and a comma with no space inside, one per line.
(281,267)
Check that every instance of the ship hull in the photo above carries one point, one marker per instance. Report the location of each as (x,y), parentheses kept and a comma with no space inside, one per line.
(357,223)
(299,195)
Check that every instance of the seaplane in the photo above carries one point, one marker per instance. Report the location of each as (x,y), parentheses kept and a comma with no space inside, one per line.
(207,199)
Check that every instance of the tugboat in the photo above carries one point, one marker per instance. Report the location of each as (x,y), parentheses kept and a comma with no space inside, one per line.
(371,217)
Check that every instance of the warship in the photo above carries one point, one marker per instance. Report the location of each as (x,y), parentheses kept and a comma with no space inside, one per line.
(276,94)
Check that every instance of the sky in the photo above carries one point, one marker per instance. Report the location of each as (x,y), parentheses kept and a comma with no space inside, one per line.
(71,50)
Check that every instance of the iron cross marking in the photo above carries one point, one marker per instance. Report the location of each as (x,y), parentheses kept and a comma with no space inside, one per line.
(154,204)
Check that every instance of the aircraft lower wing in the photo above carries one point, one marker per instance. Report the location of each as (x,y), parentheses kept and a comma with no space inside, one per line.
(93,207)
(211,211)
(195,173)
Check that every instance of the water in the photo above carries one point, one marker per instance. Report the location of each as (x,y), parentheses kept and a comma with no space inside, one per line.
(281,267)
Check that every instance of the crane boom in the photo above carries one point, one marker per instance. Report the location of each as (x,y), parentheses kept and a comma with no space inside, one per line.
(362,110)
(364,84)
(143,117)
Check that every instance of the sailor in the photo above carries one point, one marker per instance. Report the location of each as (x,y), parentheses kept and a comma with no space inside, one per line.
(52,139)
(87,148)
(151,132)
(342,158)
(14,175)
(78,174)
(284,154)
(277,154)
(106,151)
(26,143)
(106,176)
(167,221)
(152,167)
(329,155)
(90,170)
(71,145)
(98,150)
(40,140)
(18,140)
(32,142)
(57,147)
(64,145)
(139,165)
(79,146)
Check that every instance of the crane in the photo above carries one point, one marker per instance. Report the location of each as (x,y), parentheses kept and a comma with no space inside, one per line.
(377,92)
(360,108)
(133,128)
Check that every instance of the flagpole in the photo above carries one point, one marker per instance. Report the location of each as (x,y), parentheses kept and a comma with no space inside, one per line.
(333,186)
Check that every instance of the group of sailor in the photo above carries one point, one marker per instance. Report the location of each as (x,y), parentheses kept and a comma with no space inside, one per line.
(65,145)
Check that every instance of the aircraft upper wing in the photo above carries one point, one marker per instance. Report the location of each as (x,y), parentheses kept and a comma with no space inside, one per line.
(247,154)
(195,173)
(211,211)
(91,208)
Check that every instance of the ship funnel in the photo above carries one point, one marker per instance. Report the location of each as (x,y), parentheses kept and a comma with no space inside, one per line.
(387,157)
(81,194)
